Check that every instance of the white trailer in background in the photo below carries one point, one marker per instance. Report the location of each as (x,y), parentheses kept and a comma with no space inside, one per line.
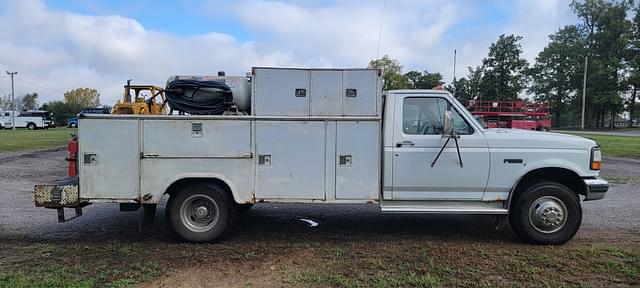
(332,136)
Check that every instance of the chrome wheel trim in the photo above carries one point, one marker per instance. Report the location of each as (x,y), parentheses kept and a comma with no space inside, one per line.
(199,213)
(548,214)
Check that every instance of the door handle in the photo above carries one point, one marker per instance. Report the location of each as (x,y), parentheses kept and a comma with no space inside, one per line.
(404,143)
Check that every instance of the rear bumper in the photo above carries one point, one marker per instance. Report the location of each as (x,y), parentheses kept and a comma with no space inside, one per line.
(596,188)
(59,194)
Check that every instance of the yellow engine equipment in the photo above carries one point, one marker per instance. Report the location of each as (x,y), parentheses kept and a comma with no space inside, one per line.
(154,104)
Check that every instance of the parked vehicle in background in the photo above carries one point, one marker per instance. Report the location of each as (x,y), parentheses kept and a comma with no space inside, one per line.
(73,121)
(49,120)
(518,114)
(27,120)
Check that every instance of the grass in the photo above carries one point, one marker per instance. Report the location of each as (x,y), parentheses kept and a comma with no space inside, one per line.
(325,263)
(619,146)
(23,139)
(54,277)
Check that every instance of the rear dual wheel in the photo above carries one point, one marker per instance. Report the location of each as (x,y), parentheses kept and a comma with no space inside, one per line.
(201,212)
(546,213)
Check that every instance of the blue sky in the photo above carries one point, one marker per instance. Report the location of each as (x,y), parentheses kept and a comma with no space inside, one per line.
(187,17)
(100,44)
(180,17)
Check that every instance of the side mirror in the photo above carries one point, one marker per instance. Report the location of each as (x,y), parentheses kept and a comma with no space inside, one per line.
(447,123)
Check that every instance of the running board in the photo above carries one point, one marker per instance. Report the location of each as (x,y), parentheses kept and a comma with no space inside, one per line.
(444,207)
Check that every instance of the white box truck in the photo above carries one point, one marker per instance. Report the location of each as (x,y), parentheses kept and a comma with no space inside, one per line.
(331,136)
(23,120)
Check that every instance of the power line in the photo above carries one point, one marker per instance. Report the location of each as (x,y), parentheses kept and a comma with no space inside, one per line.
(39,86)
(384,5)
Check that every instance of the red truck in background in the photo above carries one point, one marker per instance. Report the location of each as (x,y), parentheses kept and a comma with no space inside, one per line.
(518,114)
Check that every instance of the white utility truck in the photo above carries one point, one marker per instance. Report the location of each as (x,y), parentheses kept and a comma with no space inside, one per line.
(330,136)
(23,120)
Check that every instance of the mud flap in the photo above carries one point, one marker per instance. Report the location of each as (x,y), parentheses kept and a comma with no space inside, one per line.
(147,216)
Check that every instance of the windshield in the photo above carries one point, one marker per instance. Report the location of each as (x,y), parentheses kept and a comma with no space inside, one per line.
(466,112)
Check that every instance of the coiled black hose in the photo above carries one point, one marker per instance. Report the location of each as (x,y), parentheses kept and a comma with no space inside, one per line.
(198,97)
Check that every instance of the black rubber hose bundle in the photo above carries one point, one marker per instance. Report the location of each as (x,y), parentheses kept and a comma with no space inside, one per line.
(198,97)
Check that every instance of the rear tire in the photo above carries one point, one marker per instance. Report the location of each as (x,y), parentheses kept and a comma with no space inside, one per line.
(201,212)
(547,213)
(73,125)
(31,126)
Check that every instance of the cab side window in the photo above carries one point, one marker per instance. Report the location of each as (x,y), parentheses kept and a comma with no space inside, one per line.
(424,116)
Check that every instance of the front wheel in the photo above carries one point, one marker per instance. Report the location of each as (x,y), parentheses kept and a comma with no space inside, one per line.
(201,212)
(546,213)
(31,126)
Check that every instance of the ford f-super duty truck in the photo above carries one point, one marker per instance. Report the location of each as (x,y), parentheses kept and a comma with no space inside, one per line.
(328,136)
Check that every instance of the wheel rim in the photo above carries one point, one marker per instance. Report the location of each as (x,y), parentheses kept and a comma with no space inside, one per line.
(199,213)
(548,214)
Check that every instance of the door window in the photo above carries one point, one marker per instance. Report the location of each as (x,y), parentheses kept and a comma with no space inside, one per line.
(424,116)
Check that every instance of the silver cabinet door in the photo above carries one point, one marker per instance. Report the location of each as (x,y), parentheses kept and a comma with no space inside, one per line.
(326,92)
(360,92)
(357,160)
(197,138)
(109,159)
(281,92)
(290,160)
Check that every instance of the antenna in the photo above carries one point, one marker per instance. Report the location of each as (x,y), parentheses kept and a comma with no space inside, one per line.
(384,5)
(453,82)
(455,52)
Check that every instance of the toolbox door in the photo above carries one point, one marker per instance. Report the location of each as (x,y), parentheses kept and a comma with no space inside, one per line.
(109,159)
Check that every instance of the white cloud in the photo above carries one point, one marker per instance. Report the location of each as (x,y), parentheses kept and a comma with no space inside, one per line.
(63,50)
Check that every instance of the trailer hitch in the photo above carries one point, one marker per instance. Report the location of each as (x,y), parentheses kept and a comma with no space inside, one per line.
(62,219)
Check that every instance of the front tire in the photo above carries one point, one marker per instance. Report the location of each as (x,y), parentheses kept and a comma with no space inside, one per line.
(201,212)
(31,126)
(546,213)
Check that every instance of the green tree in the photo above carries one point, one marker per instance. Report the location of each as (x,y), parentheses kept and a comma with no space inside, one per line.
(557,73)
(62,111)
(84,97)
(504,71)
(29,101)
(25,102)
(393,77)
(423,80)
(606,29)
(468,88)
(460,88)
(633,58)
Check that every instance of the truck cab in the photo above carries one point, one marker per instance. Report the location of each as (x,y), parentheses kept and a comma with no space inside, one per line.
(330,136)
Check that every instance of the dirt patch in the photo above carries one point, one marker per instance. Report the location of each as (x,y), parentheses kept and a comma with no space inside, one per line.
(8,156)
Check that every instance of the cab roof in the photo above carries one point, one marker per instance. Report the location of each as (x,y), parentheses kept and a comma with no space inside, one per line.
(418,91)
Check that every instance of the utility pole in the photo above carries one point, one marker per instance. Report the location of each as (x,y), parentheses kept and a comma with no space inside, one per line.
(13,104)
(584,90)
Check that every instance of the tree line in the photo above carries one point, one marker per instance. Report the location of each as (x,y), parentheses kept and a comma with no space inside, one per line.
(74,101)
(606,37)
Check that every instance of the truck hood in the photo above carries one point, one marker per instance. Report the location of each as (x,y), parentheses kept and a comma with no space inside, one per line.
(518,138)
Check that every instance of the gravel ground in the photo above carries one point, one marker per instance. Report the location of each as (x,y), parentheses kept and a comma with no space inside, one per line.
(19,218)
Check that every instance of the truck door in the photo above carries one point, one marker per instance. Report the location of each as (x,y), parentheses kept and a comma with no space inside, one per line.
(417,133)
